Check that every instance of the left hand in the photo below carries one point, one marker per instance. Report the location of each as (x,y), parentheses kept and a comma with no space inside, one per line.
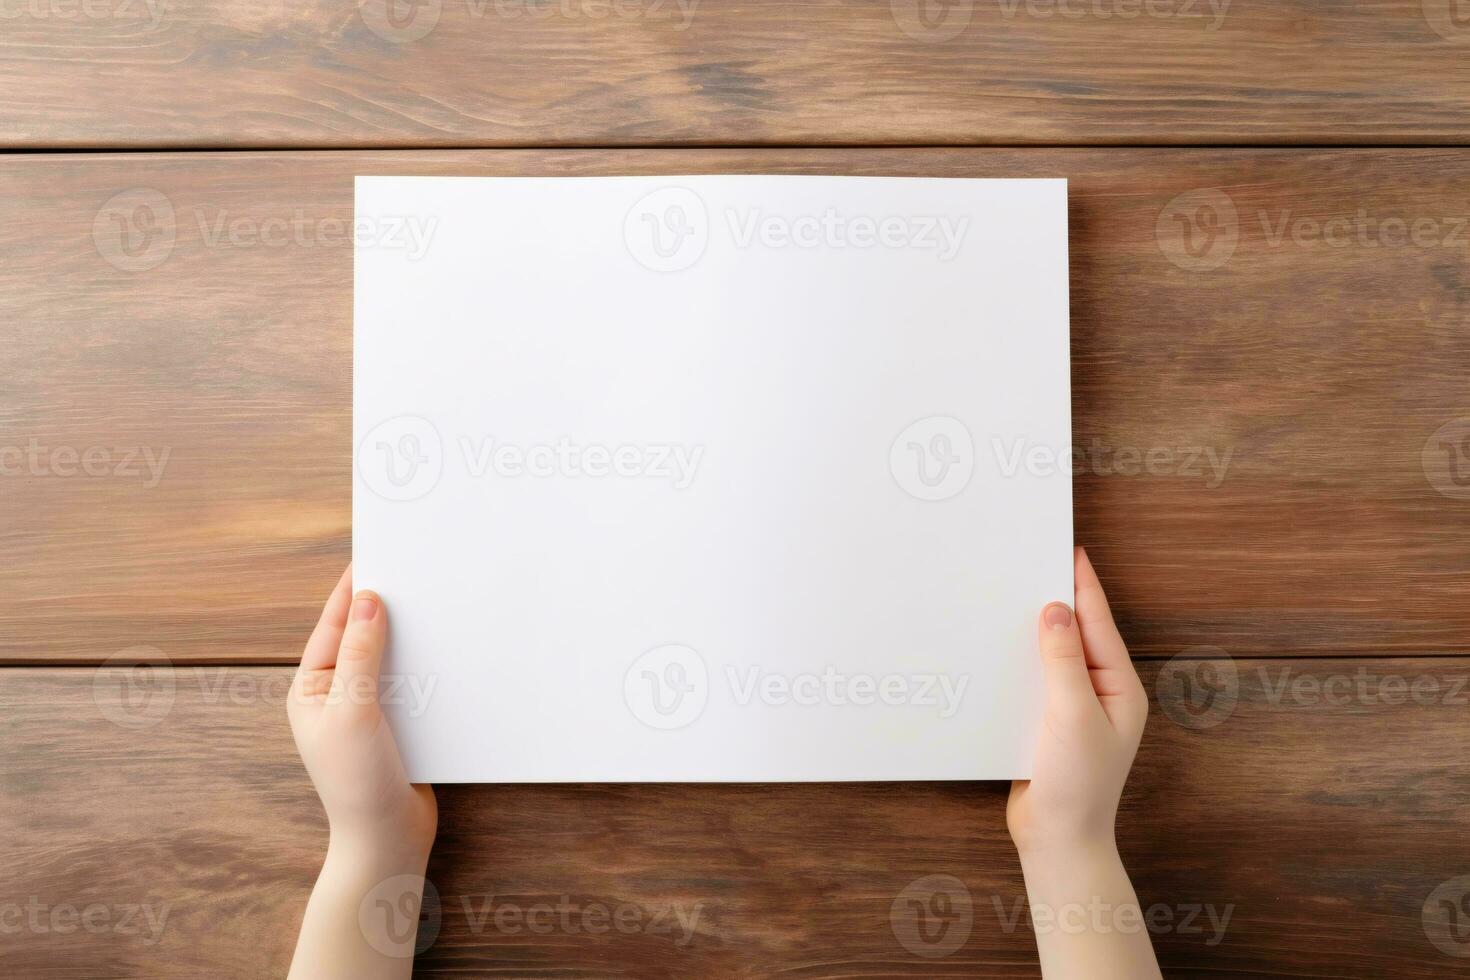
(344,739)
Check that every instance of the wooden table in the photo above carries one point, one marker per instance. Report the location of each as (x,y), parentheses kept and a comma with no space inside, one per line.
(1271,341)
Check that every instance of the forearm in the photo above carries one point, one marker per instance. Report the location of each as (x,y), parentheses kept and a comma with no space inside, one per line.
(362,917)
(1086,915)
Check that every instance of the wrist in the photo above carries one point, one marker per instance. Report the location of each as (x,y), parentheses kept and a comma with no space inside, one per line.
(387,848)
(355,859)
(401,829)
(1060,853)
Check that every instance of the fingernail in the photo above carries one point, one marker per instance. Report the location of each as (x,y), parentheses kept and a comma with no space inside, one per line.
(365,606)
(1058,616)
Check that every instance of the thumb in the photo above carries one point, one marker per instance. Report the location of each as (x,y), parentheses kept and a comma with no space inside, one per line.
(361,655)
(1068,683)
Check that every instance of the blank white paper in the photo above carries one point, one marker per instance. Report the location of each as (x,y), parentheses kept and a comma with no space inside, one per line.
(712,478)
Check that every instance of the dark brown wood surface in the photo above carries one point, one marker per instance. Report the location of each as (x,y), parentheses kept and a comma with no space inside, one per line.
(215,73)
(1312,810)
(1283,333)
(1317,352)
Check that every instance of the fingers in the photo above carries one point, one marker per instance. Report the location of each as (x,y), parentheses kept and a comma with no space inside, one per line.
(1114,679)
(321,649)
(361,655)
(1104,645)
(1068,684)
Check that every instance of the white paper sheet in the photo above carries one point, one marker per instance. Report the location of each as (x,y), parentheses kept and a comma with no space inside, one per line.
(717,478)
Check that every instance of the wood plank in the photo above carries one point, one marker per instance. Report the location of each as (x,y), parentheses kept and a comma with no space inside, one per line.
(1314,372)
(211,73)
(1319,826)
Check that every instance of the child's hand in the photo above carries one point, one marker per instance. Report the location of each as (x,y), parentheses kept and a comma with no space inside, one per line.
(343,738)
(1087,918)
(382,827)
(1094,715)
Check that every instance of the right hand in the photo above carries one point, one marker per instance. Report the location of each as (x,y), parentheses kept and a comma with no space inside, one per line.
(1092,723)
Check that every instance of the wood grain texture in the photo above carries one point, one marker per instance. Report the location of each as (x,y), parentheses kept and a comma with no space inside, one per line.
(1318,828)
(212,73)
(1315,370)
